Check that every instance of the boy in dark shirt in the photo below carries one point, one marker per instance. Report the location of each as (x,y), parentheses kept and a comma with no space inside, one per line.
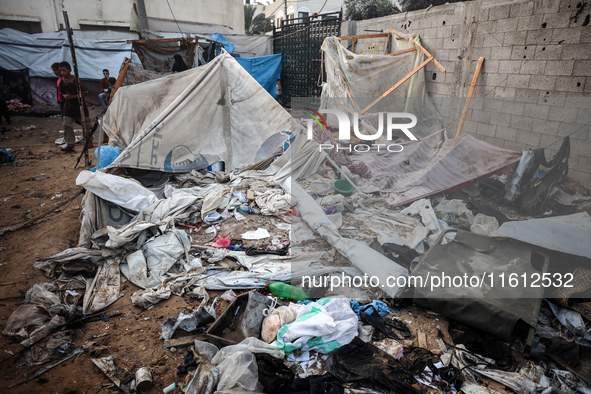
(71,113)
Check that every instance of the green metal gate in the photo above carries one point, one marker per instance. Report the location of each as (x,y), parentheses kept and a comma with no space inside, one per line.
(299,43)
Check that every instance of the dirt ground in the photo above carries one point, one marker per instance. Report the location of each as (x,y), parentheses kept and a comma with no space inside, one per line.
(40,178)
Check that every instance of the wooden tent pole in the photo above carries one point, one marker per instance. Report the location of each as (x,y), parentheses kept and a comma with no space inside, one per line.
(469,98)
(387,92)
(120,79)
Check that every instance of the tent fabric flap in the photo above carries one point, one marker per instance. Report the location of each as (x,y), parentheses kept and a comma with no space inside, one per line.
(190,120)
(265,69)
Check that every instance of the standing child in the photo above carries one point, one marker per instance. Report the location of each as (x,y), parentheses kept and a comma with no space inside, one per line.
(55,67)
(71,114)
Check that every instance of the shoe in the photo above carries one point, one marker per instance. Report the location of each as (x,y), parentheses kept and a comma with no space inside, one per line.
(67,148)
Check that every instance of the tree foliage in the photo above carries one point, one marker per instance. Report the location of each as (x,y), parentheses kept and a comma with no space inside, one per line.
(255,24)
(367,9)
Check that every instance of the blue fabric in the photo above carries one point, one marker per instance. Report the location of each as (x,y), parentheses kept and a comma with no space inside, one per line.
(265,69)
(228,46)
(5,156)
(379,306)
(108,155)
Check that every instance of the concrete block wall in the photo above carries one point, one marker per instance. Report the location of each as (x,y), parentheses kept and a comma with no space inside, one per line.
(535,85)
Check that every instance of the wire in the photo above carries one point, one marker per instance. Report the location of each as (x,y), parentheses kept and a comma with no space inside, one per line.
(321,8)
(173,17)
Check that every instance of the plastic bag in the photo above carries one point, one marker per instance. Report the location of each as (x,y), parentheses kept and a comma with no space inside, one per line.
(277,319)
(108,155)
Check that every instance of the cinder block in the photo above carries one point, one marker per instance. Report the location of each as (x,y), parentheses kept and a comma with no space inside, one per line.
(582,68)
(444,31)
(482,52)
(450,78)
(533,22)
(577,100)
(545,127)
(527,95)
(549,140)
(536,111)
(492,104)
(500,119)
(487,27)
(558,20)
(499,11)
(504,92)
(533,67)
(428,33)
(523,52)
(506,133)
(518,81)
(521,122)
(511,107)
(585,36)
(584,51)
(546,6)
(569,51)
(571,35)
(505,25)
(469,126)
(562,114)
(529,138)
(542,82)
(563,67)
(480,116)
(509,66)
(451,43)
(500,53)
(492,80)
(514,38)
(548,52)
(574,130)
(524,8)
(483,14)
(584,117)
(541,36)
(493,40)
(570,84)
(569,5)
(490,66)
(486,129)
(580,147)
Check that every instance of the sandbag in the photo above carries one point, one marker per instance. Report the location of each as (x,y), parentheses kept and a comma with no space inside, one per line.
(277,319)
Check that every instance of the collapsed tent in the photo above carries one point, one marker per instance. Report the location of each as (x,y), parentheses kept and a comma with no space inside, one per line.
(354,81)
(165,130)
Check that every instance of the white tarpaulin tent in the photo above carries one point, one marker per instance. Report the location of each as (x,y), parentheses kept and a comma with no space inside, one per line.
(354,81)
(190,120)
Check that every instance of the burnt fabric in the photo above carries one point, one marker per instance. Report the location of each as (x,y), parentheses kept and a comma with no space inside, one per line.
(315,384)
(274,376)
(360,362)
(496,310)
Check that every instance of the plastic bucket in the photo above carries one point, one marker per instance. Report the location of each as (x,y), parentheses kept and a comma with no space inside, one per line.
(344,187)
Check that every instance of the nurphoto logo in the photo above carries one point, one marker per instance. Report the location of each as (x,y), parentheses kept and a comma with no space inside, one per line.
(391,119)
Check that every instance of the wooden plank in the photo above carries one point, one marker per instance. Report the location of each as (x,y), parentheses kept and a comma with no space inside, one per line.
(189,340)
(349,94)
(439,66)
(422,338)
(401,52)
(157,40)
(360,37)
(120,78)
(469,98)
(393,88)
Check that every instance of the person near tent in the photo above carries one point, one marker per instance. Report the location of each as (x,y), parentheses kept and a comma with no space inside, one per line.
(55,67)
(104,89)
(179,64)
(3,106)
(71,115)
(111,81)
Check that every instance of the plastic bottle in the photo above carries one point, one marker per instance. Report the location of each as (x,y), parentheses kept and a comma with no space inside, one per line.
(284,290)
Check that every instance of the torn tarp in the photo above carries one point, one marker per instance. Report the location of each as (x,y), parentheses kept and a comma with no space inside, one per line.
(568,234)
(431,165)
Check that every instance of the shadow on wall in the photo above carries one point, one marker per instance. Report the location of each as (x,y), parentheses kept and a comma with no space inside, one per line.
(413,5)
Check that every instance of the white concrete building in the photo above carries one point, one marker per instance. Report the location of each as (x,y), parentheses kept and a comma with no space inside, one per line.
(36,16)
(300,9)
